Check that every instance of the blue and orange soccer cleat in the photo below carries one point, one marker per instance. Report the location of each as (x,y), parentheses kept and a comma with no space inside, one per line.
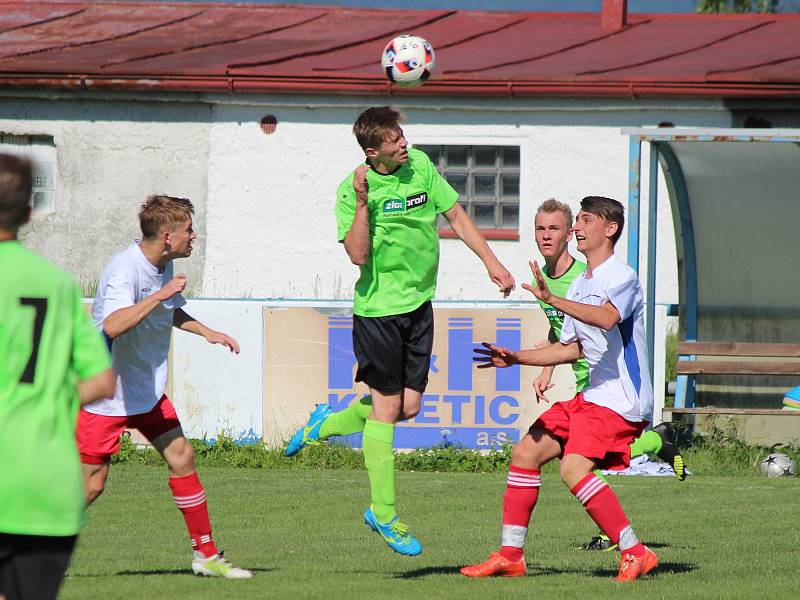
(395,534)
(309,433)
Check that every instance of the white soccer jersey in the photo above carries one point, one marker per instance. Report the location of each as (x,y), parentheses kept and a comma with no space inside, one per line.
(138,356)
(619,371)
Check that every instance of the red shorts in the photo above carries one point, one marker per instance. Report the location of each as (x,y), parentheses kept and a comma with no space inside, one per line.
(98,435)
(592,431)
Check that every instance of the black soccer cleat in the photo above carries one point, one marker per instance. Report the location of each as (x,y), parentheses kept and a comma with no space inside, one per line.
(669,452)
(600,542)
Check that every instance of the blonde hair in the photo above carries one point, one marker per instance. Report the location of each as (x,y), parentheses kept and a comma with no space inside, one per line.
(375,124)
(552,205)
(159,212)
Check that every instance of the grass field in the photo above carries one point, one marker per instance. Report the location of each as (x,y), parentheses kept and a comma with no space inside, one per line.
(301,532)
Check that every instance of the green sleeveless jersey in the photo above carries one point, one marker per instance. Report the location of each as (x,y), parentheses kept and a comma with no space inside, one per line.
(47,344)
(559,287)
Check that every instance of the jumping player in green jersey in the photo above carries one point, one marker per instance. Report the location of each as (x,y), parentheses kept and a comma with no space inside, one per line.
(386,213)
(51,360)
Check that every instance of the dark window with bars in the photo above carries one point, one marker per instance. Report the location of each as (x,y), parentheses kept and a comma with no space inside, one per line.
(42,150)
(486,179)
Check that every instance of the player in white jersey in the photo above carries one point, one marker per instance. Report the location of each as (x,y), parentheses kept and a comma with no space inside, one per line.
(604,324)
(138,302)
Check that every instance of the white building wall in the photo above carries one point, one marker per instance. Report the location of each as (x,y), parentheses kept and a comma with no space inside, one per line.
(265,202)
(272,230)
(110,155)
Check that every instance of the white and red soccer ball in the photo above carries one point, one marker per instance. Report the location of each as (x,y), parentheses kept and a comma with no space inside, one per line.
(408,60)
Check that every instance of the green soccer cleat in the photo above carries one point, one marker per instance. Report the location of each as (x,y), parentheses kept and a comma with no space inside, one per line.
(309,433)
(669,452)
(395,534)
(600,542)
(217,566)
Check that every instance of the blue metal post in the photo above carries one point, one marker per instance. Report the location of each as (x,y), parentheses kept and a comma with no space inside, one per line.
(652,229)
(685,392)
(634,194)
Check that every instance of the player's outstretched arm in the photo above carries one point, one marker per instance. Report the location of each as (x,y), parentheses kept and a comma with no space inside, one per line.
(466,230)
(499,357)
(100,386)
(184,321)
(605,316)
(123,320)
(356,242)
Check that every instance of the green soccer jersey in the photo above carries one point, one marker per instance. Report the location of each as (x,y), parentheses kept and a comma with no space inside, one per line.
(400,272)
(559,287)
(47,344)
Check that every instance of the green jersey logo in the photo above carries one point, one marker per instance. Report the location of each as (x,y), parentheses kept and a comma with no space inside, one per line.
(394,206)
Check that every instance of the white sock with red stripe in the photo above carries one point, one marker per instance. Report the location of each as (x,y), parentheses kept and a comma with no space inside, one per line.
(522,491)
(190,497)
(603,506)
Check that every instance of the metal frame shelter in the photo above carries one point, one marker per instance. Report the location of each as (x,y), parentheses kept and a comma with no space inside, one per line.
(723,184)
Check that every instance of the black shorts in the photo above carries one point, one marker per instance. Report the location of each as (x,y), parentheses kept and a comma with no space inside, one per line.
(394,352)
(32,566)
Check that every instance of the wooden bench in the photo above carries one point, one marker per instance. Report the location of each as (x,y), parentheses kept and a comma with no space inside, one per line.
(735,358)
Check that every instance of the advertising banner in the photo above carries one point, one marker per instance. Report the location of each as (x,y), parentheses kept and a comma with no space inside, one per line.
(308,359)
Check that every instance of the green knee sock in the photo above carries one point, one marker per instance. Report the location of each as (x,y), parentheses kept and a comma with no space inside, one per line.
(649,443)
(379,460)
(350,420)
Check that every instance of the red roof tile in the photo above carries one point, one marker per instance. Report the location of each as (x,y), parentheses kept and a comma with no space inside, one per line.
(317,49)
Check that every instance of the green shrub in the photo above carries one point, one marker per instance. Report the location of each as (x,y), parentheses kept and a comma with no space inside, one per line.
(715,453)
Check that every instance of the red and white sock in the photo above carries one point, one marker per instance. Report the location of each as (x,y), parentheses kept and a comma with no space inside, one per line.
(190,497)
(603,506)
(522,491)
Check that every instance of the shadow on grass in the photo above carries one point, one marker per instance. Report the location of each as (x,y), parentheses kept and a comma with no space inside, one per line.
(665,568)
(173,572)
(535,570)
(424,572)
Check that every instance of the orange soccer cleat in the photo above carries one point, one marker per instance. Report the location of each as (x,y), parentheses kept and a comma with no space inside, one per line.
(496,565)
(632,567)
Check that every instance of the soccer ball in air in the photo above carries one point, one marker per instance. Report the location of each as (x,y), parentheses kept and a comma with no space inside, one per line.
(408,60)
(778,465)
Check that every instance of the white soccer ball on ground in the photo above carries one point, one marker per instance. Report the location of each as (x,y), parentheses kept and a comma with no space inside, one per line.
(778,465)
(408,60)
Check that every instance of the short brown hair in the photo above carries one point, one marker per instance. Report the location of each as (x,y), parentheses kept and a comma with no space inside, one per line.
(608,208)
(375,124)
(16,184)
(552,205)
(159,212)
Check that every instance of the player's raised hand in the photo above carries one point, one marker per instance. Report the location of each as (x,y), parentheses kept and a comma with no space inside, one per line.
(494,356)
(217,337)
(541,384)
(174,286)
(502,278)
(541,291)
(360,183)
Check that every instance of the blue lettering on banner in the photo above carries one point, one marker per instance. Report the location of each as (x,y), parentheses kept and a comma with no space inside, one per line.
(509,335)
(442,418)
(459,354)
(341,358)
(479,438)
(427,410)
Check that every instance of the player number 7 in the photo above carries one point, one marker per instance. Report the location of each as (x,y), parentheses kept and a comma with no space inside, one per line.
(40,306)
